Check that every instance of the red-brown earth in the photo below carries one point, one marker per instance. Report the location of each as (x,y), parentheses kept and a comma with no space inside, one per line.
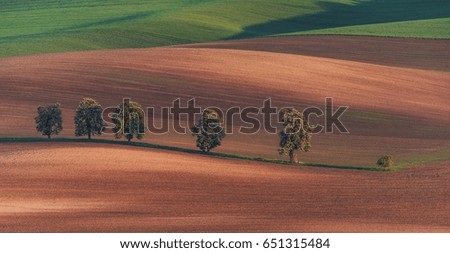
(397,91)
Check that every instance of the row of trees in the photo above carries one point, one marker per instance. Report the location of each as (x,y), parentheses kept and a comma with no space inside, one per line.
(128,122)
(88,119)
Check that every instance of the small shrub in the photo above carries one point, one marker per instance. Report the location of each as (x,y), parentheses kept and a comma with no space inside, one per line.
(385,161)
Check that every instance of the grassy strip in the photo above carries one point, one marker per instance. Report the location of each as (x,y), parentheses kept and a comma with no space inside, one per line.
(423,158)
(184,150)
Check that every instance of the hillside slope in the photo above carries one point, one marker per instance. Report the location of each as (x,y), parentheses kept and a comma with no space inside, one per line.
(31,27)
(144,190)
(395,110)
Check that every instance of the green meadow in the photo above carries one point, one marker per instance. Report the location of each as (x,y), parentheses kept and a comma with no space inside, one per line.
(40,26)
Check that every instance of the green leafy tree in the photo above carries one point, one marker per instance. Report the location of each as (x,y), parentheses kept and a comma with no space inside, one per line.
(128,121)
(88,118)
(208,131)
(49,120)
(296,135)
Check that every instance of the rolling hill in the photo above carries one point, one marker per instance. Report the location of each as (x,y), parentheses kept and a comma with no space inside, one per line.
(32,27)
(393,109)
(145,190)
(227,53)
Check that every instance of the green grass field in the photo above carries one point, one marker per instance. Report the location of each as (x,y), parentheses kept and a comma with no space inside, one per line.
(430,28)
(40,26)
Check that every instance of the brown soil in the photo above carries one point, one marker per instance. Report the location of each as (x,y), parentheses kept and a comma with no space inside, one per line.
(397,90)
(394,110)
(400,52)
(99,188)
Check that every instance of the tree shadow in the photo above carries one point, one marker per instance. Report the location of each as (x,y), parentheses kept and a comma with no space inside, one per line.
(362,12)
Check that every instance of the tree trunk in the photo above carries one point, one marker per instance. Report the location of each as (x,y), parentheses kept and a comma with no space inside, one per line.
(48,136)
(129,139)
(89,135)
(293,156)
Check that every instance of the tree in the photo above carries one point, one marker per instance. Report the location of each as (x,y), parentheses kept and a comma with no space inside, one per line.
(88,118)
(296,134)
(128,120)
(208,131)
(49,120)
(385,161)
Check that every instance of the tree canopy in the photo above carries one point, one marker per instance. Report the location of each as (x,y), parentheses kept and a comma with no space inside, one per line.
(208,131)
(88,118)
(296,135)
(129,121)
(49,120)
